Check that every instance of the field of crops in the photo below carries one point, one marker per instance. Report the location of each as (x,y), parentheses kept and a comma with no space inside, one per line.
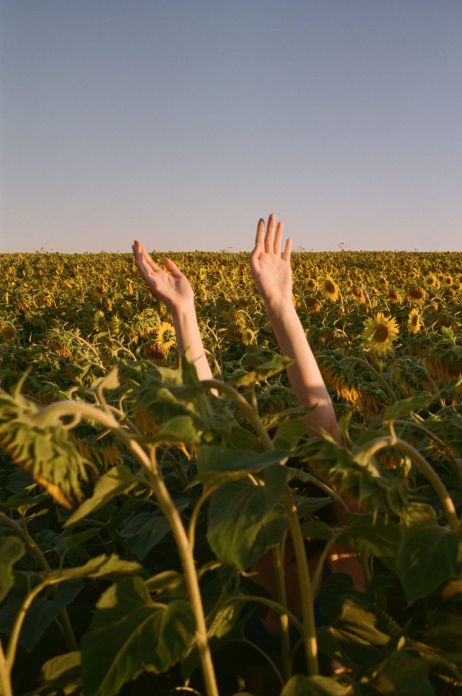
(134,499)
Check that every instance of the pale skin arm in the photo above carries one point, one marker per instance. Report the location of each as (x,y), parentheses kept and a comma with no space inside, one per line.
(173,288)
(272,274)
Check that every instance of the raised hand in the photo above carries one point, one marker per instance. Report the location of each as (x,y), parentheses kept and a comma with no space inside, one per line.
(170,286)
(269,266)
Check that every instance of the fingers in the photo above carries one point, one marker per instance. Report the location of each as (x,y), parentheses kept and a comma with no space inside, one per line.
(173,268)
(278,237)
(148,269)
(270,233)
(260,238)
(287,250)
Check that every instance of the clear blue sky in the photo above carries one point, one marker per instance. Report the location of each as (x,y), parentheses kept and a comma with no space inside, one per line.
(180,122)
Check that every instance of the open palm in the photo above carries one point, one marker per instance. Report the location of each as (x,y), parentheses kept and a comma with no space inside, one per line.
(269,266)
(170,286)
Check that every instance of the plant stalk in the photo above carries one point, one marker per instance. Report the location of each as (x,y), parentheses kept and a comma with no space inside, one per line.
(5,675)
(279,566)
(305,587)
(166,504)
(425,468)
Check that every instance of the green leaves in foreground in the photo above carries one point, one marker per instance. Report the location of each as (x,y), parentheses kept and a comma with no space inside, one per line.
(117,480)
(238,513)
(11,550)
(130,634)
(300,685)
(426,558)
(44,450)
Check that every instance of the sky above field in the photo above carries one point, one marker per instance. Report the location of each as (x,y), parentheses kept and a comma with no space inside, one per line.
(181,122)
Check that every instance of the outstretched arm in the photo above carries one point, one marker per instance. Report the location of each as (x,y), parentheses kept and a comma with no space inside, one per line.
(173,288)
(273,277)
(272,274)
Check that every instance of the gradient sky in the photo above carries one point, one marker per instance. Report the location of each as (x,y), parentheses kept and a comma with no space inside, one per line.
(180,122)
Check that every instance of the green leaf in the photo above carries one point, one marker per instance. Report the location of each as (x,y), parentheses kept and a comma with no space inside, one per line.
(41,446)
(418,513)
(130,634)
(114,482)
(216,462)
(426,559)
(109,381)
(355,631)
(401,409)
(11,550)
(224,620)
(444,634)
(272,420)
(144,531)
(101,566)
(178,429)
(316,529)
(299,685)
(268,369)
(169,582)
(237,513)
(379,538)
(289,433)
(358,474)
(44,611)
(62,672)
(405,674)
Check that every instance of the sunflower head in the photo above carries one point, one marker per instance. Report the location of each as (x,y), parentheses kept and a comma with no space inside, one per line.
(431,281)
(416,293)
(380,332)
(8,331)
(414,321)
(311,284)
(248,336)
(330,288)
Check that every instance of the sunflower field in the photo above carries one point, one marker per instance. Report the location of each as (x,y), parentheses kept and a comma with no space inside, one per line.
(134,499)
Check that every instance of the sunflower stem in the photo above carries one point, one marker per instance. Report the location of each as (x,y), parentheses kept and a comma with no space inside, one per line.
(424,467)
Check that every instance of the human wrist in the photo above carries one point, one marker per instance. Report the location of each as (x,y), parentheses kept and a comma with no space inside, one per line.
(183,310)
(278,306)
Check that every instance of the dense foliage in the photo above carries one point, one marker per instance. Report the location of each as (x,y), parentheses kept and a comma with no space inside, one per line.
(133,499)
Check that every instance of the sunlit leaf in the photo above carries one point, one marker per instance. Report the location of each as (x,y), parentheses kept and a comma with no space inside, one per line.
(114,482)
(401,409)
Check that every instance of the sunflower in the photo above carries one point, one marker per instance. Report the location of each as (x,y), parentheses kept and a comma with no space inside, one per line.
(164,340)
(115,325)
(380,332)
(394,294)
(414,322)
(416,293)
(165,335)
(311,284)
(8,331)
(248,336)
(330,288)
(431,281)
(358,294)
